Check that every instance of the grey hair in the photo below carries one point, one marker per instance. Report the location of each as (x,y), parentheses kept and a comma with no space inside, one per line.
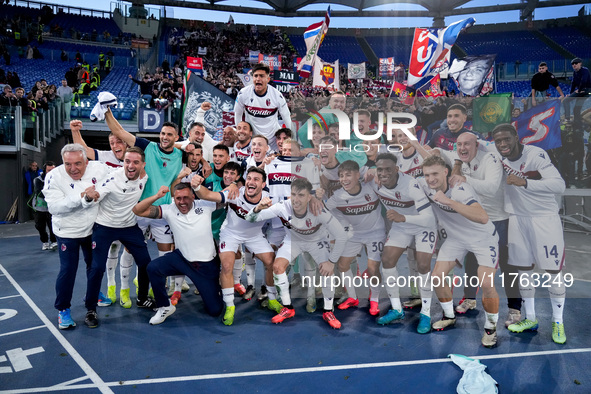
(74,148)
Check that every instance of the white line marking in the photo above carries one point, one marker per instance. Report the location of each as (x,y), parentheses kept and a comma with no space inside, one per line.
(583,280)
(11,296)
(69,382)
(23,330)
(94,377)
(296,370)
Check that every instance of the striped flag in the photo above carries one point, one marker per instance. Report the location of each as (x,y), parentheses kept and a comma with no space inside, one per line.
(313,37)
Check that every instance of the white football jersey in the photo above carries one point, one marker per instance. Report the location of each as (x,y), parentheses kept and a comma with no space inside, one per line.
(362,211)
(108,157)
(408,199)
(537,198)
(411,165)
(236,218)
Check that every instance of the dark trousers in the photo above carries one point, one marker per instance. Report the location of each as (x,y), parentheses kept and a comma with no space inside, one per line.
(102,238)
(508,271)
(579,100)
(42,223)
(205,276)
(69,252)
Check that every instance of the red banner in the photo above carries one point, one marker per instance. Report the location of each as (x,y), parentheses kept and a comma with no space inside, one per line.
(274,62)
(195,64)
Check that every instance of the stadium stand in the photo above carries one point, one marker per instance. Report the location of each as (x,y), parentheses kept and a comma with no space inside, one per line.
(344,48)
(509,46)
(388,46)
(571,39)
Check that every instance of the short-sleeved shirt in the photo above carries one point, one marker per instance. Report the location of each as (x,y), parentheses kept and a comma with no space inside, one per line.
(161,167)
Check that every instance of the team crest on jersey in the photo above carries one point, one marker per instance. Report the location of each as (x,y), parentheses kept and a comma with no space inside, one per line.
(141,186)
(72,185)
(522,166)
(475,167)
(94,181)
(93,244)
(298,168)
(368,197)
(268,102)
(199,211)
(398,196)
(416,160)
(223,245)
(64,247)
(308,222)
(164,164)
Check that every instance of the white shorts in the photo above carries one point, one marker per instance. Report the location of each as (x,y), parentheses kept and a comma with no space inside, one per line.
(319,250)
(486,251)
(156,229)
(229,242)
(536,240)
(422,240)
(275,235)
(374,247)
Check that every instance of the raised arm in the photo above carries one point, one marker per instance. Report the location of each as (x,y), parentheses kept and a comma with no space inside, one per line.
(145,208)
(472,211)
(75,127)
(118,130)
(204,193)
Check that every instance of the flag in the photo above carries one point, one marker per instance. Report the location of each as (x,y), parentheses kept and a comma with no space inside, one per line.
(386,67)
(274,62)
(405,94)
(490,111)
(230,21)
(430,49)
(195,64)
(432,88)
(197,90)
(540,125)
(326,75)
(253,56)
(246,79)
(471,73)
(313,37)
(356,70)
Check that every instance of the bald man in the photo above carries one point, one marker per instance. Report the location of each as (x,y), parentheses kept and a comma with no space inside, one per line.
(482,169)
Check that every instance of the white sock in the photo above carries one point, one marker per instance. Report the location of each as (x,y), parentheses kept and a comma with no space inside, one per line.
(349,283)
(178,282)
(282,284)
(448,309)
(228,296)
(310,272)
(125,264)
(557,292)
(271,291)
(328,294)
(413,270)
(112,263)
(491,321)
(426,293)
(528,293)
(249,267)
(390,277)
(237,270)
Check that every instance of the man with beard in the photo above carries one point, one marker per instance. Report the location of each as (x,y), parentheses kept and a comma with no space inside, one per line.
(242,149)
(535,230)
(163,164)
(236,231)
(445,138)
(117,195)
(189,219)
